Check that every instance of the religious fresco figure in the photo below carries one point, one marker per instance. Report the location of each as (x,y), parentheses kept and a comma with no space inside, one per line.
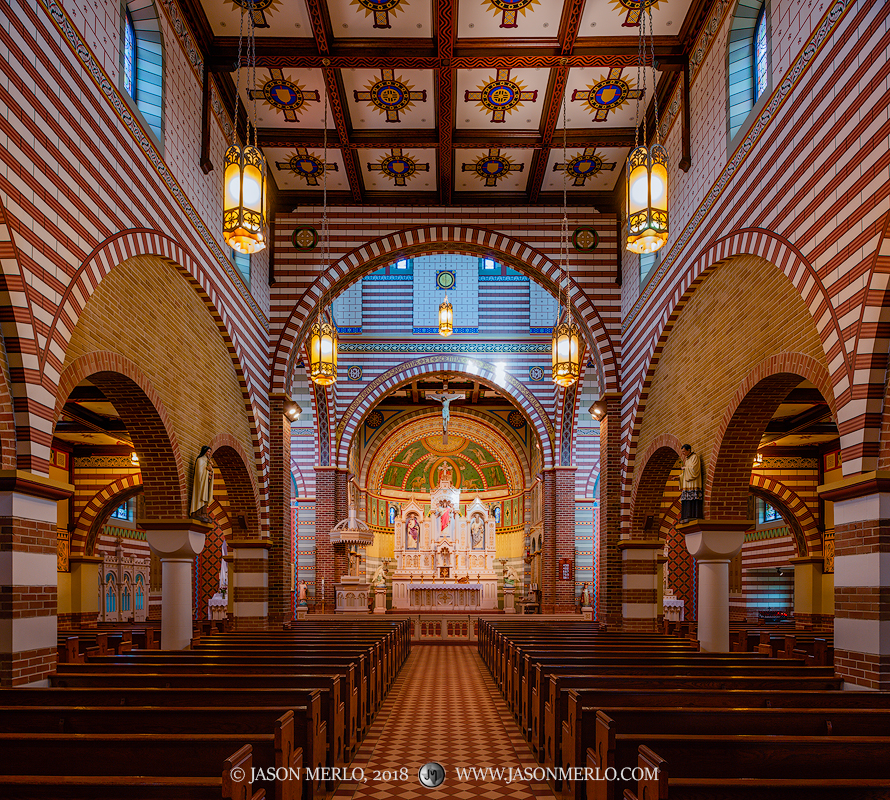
(418,484)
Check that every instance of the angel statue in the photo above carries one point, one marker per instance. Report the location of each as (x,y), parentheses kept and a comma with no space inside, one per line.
(379,576)
(511,577)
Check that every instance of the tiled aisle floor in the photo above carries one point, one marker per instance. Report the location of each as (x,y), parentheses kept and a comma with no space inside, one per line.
(443,707)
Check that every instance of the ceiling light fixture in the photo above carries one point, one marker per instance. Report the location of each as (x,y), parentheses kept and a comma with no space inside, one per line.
(244,175)
(647,178)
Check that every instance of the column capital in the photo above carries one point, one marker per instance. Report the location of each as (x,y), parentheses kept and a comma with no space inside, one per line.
(714,539)
(175,538)
(23,482)
(854,486)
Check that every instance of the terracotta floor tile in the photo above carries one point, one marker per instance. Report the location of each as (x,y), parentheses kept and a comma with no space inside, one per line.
(443,707)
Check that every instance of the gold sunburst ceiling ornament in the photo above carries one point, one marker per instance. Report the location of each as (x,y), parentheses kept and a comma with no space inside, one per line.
(390,95)
(289,97)
(260,10)
(501,95)
(510,10)
(633,9)
(381,9)
(609,93)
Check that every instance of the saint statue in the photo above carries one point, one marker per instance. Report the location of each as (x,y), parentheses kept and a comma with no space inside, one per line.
(585,596)
(477,531)
(446,517)
(413,528)
(445,400)
(691,494)
(303,589)
(202,486)
(354,560)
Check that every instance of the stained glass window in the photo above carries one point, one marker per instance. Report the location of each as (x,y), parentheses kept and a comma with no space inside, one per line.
(761,63)
(129,56)
(123,511)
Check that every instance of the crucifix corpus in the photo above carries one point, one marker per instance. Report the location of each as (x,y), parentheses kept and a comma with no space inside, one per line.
(445,400)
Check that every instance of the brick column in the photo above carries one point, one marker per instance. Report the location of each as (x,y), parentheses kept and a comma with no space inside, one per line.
(249,583)
(548,544)
(641,606)
(281,554)
(28,576)
(813,594)
(610,577)
(341,500)
(564,496)
(862,578)
(325,519)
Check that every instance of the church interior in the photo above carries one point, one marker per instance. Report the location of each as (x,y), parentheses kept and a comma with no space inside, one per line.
(472,398)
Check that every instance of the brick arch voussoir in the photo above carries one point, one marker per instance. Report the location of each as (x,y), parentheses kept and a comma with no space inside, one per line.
(648,489)
(747,242)
(745,419)
(805,530)
(147,421)
(240,480)
(413,242)
(147,243)
(371,395)
(94,515)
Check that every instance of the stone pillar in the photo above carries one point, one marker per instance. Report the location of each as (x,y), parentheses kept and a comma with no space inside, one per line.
(609,569)
(713,544)
(176,542)
(28,576)
(813,594)
(281,555)
(641,607)
(861,579)
(325,519)
(83,596)
(249,583)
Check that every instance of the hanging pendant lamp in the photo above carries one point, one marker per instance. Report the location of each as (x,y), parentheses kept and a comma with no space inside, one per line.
(446,318)
(323,341)
(244,173)
(647,177)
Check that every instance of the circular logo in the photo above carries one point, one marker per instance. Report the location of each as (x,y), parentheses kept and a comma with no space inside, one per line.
(308,166)
(390,95)
(585,166)
(354,373)
(431,775)
(500,95)
(536,374)
(585,239)
(374,420)
(492,165)
(398,167)
(445,280)
(608,94)
(516,420)
(283,94)
(305,238)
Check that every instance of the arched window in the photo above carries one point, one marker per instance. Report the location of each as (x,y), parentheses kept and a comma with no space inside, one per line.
(129,55)
(761,62)
(142,61)
(140,593)
(747,63)
(110,594)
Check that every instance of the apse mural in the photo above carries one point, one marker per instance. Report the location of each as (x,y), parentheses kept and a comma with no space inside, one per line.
(475,468)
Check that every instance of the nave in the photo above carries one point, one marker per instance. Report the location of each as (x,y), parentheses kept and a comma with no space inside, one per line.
(443,707)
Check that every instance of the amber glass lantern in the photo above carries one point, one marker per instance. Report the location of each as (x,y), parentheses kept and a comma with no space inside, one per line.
(566,353)
(323,353)
(446,318)
(244,199)
(647,199)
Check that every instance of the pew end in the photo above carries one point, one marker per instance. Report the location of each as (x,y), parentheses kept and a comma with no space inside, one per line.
(649,788)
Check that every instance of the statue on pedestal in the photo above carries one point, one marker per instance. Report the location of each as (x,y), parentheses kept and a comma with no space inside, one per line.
(511,577)
(585,596)
(379,576)
(303,590)
(202,486)
(691,494)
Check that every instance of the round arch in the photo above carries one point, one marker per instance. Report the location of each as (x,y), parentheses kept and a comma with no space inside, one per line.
(481,371)
(662,318)
(390,426)
(649,484)
(146,419)
(240,481)
(412,242)
(738,436)
(804,530)
(95,514)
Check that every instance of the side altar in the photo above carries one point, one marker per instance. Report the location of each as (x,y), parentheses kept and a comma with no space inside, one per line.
(444,559)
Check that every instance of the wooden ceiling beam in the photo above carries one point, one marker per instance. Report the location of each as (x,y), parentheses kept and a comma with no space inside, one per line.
(445,34)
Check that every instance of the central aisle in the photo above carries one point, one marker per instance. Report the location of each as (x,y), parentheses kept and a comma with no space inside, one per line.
(443,707)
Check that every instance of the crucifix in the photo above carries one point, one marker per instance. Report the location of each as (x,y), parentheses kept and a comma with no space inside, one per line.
(445,400)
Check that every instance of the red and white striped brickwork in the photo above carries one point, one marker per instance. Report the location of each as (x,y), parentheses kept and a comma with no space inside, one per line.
(807,191)
(84,188)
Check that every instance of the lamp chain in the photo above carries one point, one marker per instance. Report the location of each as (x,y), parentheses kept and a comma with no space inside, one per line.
(564,229)
(251,41)
(654,83)
(640,82)
(325,228)
(237,79)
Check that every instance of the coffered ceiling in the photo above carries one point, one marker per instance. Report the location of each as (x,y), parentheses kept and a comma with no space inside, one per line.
(447,101)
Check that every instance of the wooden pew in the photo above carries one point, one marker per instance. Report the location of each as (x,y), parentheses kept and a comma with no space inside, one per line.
(660,784)
(233,784)
(308,731)
(179,755)
(202,689)
(69,650)
(751,761)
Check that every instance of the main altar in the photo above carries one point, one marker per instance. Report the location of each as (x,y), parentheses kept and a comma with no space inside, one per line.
(444,559)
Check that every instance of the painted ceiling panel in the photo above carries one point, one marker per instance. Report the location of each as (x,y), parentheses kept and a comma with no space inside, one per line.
(272,17)
(398,169)
(601,97)
(372,19)
(285,97)
(621,17)
(302,168)
(492,169)
(385,98)
(585,168)
(510,98)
